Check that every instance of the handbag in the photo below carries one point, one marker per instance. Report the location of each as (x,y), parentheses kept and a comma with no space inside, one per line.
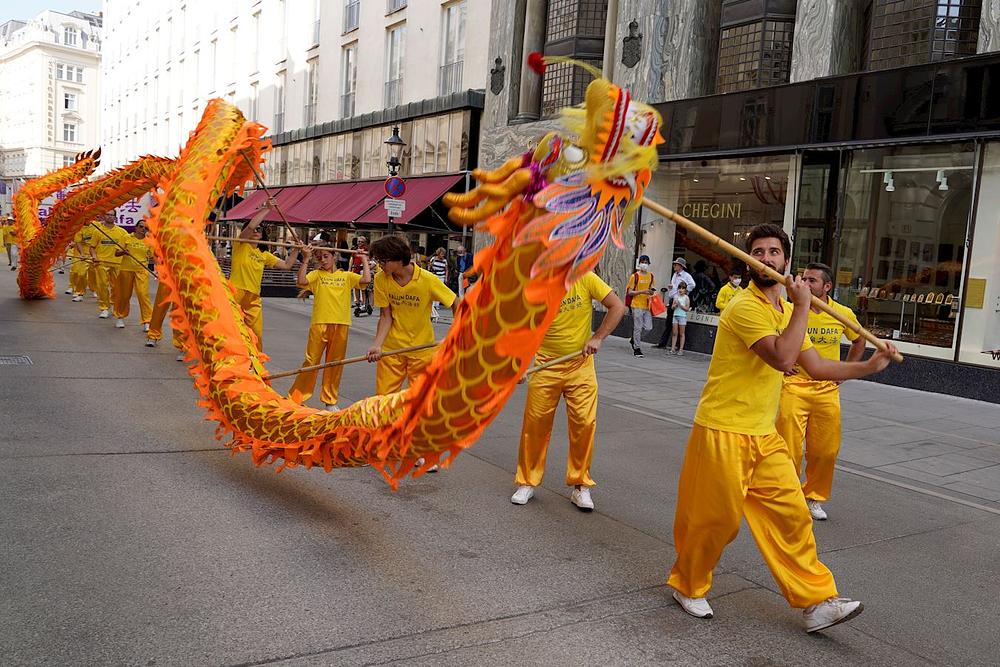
(656,305)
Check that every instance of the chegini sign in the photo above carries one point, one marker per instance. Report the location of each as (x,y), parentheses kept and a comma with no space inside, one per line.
(706,209)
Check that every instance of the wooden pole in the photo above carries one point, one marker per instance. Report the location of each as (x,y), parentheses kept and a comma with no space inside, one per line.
(349,360)
(280,244)
(549,364)
(267,193)
(740,254)
(123,249)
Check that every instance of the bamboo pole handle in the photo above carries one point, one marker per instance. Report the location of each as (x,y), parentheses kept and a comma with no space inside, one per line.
(349,360)
(711,238)
(280,244)
(549,364)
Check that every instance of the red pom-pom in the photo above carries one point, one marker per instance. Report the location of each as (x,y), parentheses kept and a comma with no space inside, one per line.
(536,62)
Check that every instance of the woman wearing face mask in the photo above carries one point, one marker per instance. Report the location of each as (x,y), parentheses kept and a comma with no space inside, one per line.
(729,290)
(637,293)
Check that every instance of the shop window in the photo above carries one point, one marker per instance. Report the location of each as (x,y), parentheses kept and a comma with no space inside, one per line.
(902,246)
(912,32)
(726,197)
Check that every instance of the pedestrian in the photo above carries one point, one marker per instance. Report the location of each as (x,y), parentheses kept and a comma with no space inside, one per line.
(679,276)
(810,409)
(438,265)
(638,291)
(737,466)
(133,276)
(704,288)
(107,239)
(729,290)
(463,262)
(9,237)
(574,379)
(403,293)
(360,300)
(247,271)
(329,324)
(679,307)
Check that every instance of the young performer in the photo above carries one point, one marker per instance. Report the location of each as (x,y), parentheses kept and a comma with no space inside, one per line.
(638,291)
(576,379)
(729,290)
(133,276)
(403,294)
(107,240)
(248,262)
(809,408)
(737,466)
(331,320)
(84,270)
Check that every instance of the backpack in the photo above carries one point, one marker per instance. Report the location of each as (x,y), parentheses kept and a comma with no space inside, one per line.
(635,276)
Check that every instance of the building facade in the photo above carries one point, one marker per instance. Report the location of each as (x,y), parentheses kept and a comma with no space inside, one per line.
(866,129)
(50,92)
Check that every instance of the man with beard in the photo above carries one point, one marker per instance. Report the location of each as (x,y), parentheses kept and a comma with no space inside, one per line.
(737,466)
(810,409)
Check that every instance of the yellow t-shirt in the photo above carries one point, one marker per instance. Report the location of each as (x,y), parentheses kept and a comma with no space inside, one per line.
(248,266)
(726,295)
(7,234)
(332,295)
(571,328)
(140,254)
(742,391)
(105,243)
(638,282)
(411,306)
(825,332)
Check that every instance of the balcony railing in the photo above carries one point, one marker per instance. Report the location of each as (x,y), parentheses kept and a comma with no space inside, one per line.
(347,105)
(393,93)
(352,15)
(450,78)
(394,5)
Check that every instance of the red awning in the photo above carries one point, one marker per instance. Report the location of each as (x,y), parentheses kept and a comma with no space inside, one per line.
(285,198)
(355,202)
(331,196)
(420,194)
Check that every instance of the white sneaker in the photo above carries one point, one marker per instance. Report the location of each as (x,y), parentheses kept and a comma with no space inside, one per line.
(331,407)
(581,498)
(145,327)
(697,607)
(78,298)
(816,510)
(104,314)
(523,494)
(180,357)
(150,342)
(69,291)
(830,612)
(119,323)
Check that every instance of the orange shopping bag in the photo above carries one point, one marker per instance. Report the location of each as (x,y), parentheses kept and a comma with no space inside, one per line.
(656,306)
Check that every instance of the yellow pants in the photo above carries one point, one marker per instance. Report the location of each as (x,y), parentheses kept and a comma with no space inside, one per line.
(727,476)
(252,314)
(331,338)
(78,277)
(107,276)
(92,277)
(577,381)
(810,411)
(129,281)
(160,308)
(391,371)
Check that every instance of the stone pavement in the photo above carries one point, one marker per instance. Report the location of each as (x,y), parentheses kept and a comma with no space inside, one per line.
(130,536)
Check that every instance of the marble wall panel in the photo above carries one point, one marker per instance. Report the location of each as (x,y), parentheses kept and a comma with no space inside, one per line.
(989,26)
(827,38)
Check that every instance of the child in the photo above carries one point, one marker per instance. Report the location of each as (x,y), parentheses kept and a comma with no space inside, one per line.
(681,306)
(331,319)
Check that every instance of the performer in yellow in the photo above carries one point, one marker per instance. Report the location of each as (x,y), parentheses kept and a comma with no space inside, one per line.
(576,379)
(133,276)
(248,264)
(403,294)
(9,238)
(737,466)
(107,240)
(331,320)
(83,272)
(809,408)
(729,290)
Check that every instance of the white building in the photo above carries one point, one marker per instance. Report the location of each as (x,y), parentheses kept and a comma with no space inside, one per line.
(311,66)
(49,94)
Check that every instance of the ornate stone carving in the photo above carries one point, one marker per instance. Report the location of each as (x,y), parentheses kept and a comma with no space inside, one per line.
(632,45)
(497,76)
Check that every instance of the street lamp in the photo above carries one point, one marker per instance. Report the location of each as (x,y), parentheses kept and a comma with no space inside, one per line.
(396,145)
